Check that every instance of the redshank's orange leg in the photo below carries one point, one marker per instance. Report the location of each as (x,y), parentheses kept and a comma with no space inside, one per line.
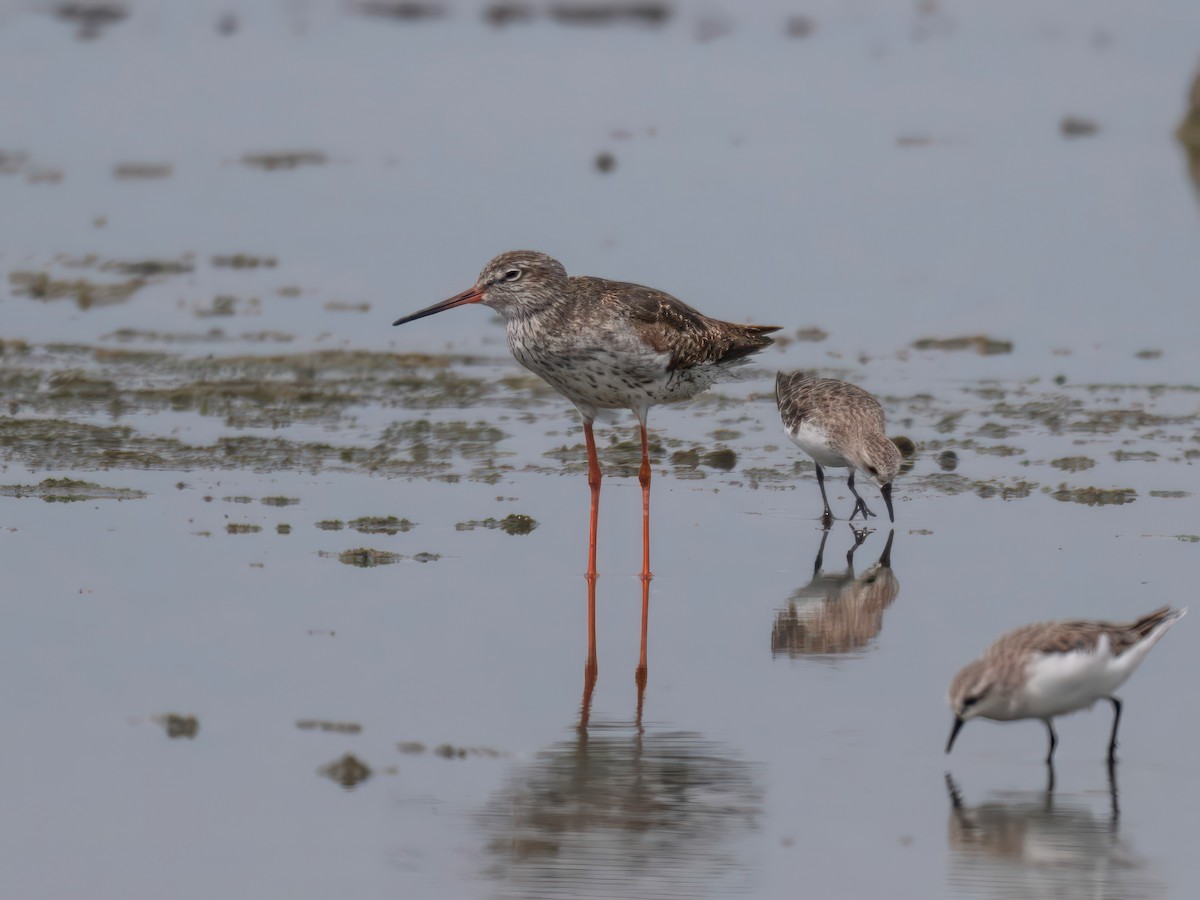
(644,478)
(640,675)
(594,476)
(592,667)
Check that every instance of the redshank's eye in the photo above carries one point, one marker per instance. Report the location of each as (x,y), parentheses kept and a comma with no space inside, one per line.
(512,274)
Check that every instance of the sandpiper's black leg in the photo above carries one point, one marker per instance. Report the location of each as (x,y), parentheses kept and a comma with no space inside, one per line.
(860,504)
(1112,741)
(860,535)
(1112,792)
(1053,742)
(827,516)
(1049,783)
(820,553)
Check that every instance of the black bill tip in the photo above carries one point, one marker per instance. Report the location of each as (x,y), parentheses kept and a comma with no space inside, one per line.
(958,724)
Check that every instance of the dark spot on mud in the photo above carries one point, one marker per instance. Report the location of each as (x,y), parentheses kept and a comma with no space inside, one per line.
(280,501)
(948,460)
(283,528)
(284,160)
(1078,126)
(1174,495)
(92,18)
(1149,354)
(331,524)
(906,445)
(449,751)
(501,14)
(610,13)
(411,747)
(799,26)
(400,10)
(132,171)
(323,725)
(242,528)
(349,771)
(605,162)
(243,261)
(177,726)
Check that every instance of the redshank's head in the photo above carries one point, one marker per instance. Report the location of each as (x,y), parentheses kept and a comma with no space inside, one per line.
(514,282)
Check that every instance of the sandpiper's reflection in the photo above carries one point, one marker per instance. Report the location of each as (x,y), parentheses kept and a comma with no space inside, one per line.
(1042,844)
(622,809)
(836,612)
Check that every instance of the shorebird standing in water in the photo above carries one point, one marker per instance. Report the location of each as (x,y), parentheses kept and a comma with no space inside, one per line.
(1054,668)
(838,424)
(606,345)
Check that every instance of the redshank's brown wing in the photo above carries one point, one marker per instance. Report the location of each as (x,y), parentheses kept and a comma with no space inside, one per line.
(691,338)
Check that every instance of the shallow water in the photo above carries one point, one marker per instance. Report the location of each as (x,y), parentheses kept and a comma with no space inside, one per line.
(895,175)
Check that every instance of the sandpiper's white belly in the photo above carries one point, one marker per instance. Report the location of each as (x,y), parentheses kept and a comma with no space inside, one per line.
(1060,683)
(814,440)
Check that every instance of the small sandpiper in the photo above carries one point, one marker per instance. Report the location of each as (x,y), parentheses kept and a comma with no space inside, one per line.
(1053,668)
(838,424)
(606,345)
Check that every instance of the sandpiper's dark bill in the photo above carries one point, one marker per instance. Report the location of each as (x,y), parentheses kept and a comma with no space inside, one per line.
(958,724)
(469,296)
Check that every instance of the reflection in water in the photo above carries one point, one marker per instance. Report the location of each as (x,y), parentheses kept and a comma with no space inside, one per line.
(621,809)
(836,612)
(1040,845)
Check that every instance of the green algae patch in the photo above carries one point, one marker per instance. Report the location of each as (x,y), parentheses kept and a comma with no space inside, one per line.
(69,490)
(279,501)
(980,343)
(1094,496)
(514,523)
(331,524)
(1073,463)
(366,557)
(381,525)
(349,771)
(242,528)
(1171,495)
(178,726)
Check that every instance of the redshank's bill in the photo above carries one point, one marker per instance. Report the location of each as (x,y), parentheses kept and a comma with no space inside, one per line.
(606,345)
(838,424)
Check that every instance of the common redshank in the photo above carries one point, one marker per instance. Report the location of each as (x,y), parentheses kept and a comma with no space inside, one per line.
(838,424)
(1053,668)
(606,345)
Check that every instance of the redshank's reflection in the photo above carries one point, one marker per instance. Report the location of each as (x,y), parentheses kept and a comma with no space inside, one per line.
(836,612)
(1043,844)
(622,809)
